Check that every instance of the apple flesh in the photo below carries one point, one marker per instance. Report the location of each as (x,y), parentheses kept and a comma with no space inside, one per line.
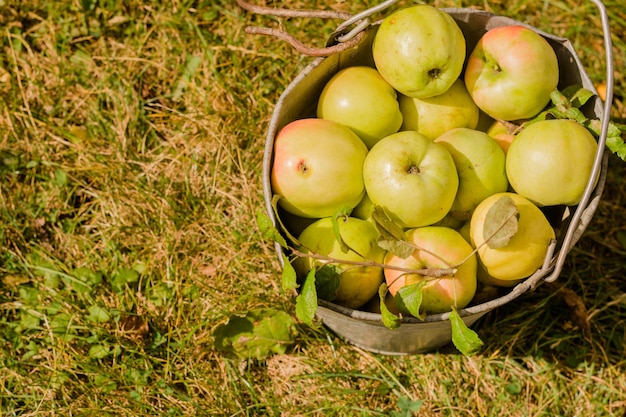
(439,248)
(550,162)
(358,283)
(511,73)
(480,163)
(525,251)
(318,168)
(420,50)
(411,177)
(358,97)
(436,115)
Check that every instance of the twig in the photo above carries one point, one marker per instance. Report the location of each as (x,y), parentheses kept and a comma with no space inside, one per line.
(271,11)
(302,48)
(295,43)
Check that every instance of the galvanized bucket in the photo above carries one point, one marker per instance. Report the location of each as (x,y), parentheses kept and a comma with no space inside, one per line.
(365,329)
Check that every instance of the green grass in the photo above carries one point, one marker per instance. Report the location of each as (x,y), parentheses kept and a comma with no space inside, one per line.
(131,140)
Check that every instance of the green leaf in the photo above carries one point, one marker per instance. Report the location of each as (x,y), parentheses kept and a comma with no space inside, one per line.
(391,235)
(336,222)
(501,222)
(463,338)
(577,95)
(408,407)
(275,199)
(409,299)
(98,314)
(98,351)
(289,276)
(390,320)
(306,301)
(122,277)
(258,334)
(327,280)
(191,66)
(268,231)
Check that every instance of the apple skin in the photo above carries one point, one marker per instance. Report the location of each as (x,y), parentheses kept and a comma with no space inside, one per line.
(480,163)
(358,284)
(436,115)
(511,73)
(550,162)
(318,168)
(360,98)
(420,50)
(501,134)
(526,250)
(440,247)
(412,177)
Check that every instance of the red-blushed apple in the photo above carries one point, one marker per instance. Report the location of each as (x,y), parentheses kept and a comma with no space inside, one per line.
(318,168)
(420,50)
(412,178)
(550,162)
(480,163)
(358,283)
(501,134)
(360,98)
(525,251)
(436,115)
(439,248)
(511,73)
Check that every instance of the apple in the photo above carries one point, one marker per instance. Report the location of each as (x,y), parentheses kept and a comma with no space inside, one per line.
(480,163)
(358,283)
(420,50)
(550,162)
(412,178)
(525,251)
(501,134)
(318,168)
(439,248)
(436,115)
(361,99)
(364,209)
(511,72)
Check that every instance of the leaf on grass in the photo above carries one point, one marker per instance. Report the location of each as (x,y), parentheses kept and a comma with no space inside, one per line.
(408,407)
(258,334)
(306,301)
(464,339)
(390,320)
(501,222)
(391,235)
(268,231)
(409,298)
(327,280)
(289,276)
(191,66)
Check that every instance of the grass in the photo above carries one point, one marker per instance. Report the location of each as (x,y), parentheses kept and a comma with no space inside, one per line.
(131,139)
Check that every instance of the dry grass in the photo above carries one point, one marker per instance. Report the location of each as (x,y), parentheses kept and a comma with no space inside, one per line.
(131,138)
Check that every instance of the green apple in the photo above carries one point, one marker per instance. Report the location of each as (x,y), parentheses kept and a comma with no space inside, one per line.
(318,168)
(550,162)
(361,99)
(439,248)
(525,251)
(420,50)
(358,283)
(511,72)
(411,177)
(364,209)
(436,115)
(480,163)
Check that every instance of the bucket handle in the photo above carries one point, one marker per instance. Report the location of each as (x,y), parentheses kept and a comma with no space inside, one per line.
(578,215)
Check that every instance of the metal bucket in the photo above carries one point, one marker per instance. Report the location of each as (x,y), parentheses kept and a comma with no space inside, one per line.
(365,329)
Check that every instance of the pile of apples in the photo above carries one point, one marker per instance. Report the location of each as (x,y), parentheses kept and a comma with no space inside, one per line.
(403,139)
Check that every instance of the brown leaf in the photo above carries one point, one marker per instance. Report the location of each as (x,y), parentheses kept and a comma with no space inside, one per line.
(578,311)
(135,326)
